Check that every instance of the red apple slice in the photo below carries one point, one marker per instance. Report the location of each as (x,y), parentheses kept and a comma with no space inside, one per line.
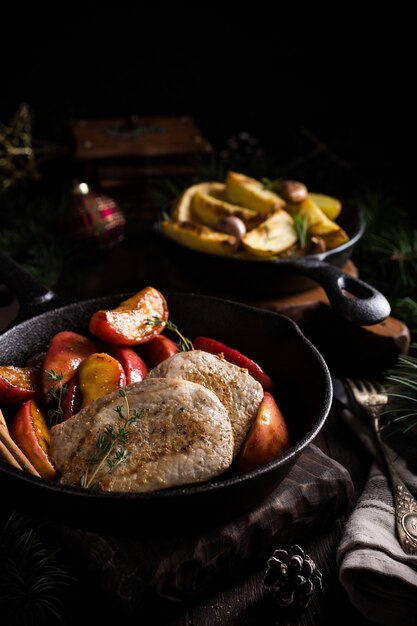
(134,321)
(267,439)
(30,432)
(19,384)
(71,403)
(237,358)
(134,367)
(65,352)
(159,349)
(99,374)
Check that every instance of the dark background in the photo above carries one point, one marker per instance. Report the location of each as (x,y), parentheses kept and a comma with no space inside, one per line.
(269,69)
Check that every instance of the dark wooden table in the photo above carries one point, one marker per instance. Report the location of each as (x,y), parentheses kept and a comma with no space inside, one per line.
(244,602)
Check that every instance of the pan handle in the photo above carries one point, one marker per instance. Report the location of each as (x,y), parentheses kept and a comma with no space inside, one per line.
(351,298)
(33,297)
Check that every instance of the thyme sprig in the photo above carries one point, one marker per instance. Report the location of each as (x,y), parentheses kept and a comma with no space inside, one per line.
(56,393)
(111,445)
(184,344)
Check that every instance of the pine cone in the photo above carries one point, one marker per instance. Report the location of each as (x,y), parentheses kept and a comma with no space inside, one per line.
(292,577)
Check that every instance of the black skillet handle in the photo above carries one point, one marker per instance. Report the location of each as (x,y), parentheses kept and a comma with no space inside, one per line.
(33,297)
(351,298)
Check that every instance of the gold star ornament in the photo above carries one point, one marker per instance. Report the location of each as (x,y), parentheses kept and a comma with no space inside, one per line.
(19,157)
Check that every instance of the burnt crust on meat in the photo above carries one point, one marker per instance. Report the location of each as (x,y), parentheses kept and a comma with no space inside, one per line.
(238,391)
(183,436)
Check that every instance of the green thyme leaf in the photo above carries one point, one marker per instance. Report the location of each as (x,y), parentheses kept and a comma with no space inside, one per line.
(184,344)
(112,443)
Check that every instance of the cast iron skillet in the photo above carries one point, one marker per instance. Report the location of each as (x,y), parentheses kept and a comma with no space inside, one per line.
(304,391)
(248,276)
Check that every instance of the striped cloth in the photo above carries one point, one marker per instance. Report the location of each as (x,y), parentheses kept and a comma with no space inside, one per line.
(379,577)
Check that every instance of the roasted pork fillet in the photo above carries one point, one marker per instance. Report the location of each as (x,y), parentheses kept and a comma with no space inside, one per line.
(236,389)
(183,435)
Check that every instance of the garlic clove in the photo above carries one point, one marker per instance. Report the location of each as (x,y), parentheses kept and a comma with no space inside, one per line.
(232,225)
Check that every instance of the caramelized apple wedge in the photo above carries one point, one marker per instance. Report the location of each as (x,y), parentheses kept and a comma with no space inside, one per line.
(267,439)
(19,384)
(159,349)
(30,432)
(99,374)
(65,352)
(133,365)
(134,321)
(71,402)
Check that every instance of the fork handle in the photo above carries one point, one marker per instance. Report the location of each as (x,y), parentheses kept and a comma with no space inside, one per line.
(405,517)
(405,505)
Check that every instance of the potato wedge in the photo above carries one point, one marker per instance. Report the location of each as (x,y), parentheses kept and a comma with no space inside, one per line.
(329,205)
(209,210)
(200,237)
(274,236)
(319,224)
(250,193)
(181,210)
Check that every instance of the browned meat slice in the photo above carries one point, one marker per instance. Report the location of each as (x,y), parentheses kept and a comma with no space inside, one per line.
(183,435)
(236,389)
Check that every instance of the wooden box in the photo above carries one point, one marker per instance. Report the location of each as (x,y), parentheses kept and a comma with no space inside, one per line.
(117,152)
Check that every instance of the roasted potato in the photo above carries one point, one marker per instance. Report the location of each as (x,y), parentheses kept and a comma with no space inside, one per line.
(274,236)
(329,205)
(251,193)
(319,224)
(200,237)
(181,210)
(210,210)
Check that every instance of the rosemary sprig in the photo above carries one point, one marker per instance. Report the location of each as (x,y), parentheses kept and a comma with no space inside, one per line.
(301,227)
(56,393)
(184,344)
(111,444)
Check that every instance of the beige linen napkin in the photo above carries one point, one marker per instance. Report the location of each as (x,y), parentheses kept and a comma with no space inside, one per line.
(379,577)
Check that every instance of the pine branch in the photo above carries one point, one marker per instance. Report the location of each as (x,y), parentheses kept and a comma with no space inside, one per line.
(33,585)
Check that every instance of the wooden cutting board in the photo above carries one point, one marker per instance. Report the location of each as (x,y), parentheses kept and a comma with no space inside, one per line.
(348,349)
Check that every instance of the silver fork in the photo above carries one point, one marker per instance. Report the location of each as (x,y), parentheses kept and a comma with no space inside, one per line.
(372,398)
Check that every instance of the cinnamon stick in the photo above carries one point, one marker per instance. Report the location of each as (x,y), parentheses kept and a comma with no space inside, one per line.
(13,450)
(7,456)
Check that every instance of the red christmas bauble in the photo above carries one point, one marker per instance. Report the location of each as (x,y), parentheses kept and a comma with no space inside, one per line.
(95,218)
